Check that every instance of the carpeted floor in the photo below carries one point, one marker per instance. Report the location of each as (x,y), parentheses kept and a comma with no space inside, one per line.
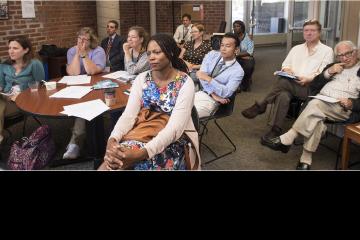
(250,154)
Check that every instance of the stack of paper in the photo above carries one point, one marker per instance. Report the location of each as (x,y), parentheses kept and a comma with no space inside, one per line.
(325,98)
(76,80)
(284,74)
(86,110)
(122,76)
(72,92)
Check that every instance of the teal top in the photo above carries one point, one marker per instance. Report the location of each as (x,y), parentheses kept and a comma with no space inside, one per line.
(34,71)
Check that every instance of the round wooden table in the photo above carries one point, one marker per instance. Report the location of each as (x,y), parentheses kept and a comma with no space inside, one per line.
(39,104)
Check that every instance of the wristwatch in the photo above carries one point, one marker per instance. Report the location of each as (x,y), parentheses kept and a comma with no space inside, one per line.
(83,56)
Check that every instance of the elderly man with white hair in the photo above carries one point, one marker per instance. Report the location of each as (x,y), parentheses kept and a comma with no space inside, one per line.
(339,81)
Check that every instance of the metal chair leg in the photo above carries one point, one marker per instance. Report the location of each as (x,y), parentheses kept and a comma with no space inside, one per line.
(225,154)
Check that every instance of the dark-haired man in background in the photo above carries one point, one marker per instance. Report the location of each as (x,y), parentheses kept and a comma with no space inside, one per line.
(112,46)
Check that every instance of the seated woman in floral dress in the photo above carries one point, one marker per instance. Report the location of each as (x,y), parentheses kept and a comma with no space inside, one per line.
(165,90)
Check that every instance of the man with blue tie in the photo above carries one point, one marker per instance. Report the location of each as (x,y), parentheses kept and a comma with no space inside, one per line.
(220,75)
(112,46)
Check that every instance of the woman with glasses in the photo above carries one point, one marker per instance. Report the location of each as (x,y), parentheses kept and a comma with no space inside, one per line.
(245,55)
(135,57)
(195,50)
(167,91)
(87,57)
(16,73)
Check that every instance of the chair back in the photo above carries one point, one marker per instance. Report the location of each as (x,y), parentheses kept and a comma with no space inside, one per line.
(195,118)
(13,119)
(225,110)
(222,27)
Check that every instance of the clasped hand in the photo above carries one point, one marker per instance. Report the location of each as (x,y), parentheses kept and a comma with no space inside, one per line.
(118,157)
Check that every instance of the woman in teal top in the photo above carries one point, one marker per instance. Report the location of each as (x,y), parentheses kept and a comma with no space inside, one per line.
(18,70)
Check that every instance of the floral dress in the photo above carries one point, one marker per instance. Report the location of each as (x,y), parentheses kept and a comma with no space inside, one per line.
(161,100)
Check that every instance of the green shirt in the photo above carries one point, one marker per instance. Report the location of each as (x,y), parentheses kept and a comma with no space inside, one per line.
(34,71)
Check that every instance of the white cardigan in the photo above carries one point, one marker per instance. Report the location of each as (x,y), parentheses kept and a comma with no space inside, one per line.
(179,121)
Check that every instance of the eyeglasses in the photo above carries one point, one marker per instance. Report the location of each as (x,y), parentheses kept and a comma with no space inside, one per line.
(83,39)
(347,54)
(194,31)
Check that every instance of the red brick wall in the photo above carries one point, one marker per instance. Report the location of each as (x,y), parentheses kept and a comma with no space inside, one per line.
(214,13)
(56,22)
(168,15)
(134,13)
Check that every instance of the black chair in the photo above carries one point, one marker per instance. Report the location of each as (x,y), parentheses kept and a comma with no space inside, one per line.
(294,108)
(222,27)
(224,110)
(15,118)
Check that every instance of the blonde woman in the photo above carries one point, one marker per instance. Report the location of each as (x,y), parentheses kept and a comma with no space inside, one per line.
(195,50)
(84,58)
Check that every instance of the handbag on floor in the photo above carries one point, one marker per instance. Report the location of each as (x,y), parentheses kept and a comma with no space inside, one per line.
(34,152)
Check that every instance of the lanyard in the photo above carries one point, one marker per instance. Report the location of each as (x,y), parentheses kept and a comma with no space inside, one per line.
(217,62)
(185,32)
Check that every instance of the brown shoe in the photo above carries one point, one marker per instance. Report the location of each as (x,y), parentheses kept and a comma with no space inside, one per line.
(254,110)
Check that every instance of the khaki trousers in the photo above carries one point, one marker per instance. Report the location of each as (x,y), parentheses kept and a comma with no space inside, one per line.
(78,132)
(3,103)
(205,104)
(7,107)
(311,125)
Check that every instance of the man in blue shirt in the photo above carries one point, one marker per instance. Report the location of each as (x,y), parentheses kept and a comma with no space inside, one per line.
(220,75)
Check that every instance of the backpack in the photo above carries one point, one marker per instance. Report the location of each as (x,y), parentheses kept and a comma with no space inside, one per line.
(34,152)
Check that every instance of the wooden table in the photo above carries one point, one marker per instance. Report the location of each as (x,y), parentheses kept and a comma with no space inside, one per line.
(39,104)
(352,133)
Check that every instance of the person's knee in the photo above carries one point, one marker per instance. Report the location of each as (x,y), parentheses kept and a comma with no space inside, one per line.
(284,98)
(2,105)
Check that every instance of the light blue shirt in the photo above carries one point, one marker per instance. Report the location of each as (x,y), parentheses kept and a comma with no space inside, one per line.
(96,55)
(34,71)
(247,45)
(225,83)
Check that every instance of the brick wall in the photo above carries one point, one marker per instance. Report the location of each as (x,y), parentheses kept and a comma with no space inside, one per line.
(168,15)
(214,13)
(56,22)
(134,13)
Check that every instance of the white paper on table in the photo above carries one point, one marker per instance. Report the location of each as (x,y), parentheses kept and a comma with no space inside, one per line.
(120,75)
(76,80)
(86,110)
(325,98)
(72,92)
